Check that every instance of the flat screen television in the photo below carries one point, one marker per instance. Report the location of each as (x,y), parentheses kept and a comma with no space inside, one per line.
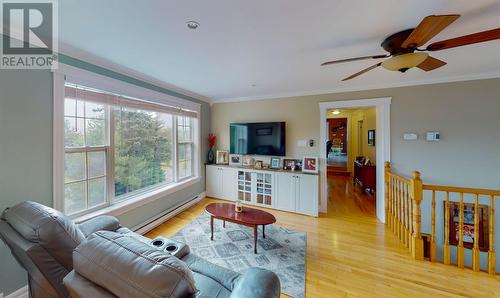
(265,138)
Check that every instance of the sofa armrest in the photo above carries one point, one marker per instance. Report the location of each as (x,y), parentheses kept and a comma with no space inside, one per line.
(257,282)
(99,223)
(226,277)
(80,287)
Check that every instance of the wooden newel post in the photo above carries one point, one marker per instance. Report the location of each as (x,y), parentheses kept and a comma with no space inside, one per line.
(416,197)
(387,170)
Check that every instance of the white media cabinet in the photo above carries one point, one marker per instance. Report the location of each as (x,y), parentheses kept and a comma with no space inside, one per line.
(291,191)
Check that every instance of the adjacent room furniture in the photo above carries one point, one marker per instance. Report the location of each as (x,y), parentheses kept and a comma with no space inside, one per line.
(329,145)
(338,146)
(100,259)
(249,217)
(365,175)
(292,191)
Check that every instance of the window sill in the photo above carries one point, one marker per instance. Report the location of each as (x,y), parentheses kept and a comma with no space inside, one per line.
(138,200)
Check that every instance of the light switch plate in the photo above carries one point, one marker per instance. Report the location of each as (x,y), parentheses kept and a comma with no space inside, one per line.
(301,143)
(409,136)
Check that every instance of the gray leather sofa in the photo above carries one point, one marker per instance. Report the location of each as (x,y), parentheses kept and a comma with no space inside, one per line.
(98,258)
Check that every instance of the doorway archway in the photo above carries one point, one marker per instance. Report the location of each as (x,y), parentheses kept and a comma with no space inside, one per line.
(383,145)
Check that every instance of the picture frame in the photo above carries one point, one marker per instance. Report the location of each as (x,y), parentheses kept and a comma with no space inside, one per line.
(248,161)
(222,157)
(235,160)
(275,163)
(468,225)
(289,164)
(258,164)
(371,137)
(310,165)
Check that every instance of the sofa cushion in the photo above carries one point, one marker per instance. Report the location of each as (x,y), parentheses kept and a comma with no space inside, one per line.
(50,228)
(128,267)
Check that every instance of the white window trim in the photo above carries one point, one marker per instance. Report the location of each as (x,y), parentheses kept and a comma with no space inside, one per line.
(80,76)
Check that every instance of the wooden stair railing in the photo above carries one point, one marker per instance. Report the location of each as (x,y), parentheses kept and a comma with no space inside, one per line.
(403,197)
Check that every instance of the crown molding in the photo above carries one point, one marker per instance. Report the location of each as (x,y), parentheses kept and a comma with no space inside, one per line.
(272,96)
(104,63)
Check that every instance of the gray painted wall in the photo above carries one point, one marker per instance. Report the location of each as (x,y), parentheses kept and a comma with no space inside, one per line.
(26,151)
(466,114)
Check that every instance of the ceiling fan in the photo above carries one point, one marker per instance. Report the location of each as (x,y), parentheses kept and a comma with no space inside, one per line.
(403,46)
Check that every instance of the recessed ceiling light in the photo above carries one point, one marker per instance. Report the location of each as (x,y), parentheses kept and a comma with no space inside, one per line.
(336,112)
(193,25)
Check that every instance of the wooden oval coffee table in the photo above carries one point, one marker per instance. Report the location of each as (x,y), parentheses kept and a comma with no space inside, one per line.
(249,217)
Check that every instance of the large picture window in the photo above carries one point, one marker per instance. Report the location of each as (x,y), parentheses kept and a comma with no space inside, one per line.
(117,148)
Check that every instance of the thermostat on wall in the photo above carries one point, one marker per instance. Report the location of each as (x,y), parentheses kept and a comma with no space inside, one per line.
(433,136)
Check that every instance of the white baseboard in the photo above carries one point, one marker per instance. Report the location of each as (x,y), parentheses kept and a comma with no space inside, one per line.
(147,226)
(20,293)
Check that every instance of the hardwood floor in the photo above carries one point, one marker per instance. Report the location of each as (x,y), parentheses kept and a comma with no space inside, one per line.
(351,254)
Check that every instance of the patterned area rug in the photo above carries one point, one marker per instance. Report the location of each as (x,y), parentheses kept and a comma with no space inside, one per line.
(282,251)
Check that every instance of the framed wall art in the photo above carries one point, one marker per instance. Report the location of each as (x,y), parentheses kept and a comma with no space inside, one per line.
(371,137)
(468,225)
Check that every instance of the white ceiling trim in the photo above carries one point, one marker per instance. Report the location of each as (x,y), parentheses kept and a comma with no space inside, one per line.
(361,88)
(80,55)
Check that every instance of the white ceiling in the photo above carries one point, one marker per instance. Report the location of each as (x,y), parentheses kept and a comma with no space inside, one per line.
(277,45)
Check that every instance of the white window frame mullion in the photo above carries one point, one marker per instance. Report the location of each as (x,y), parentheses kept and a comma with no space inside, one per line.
(175,148)
(110,157)
(58,142)
(193,149)
(196,147)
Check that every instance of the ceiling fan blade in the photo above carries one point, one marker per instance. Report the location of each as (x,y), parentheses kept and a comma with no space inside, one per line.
(465,40)
(429,27)
(362,72)
(355,59)
(431,63)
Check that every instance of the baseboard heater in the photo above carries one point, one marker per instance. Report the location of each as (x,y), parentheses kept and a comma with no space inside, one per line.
(163,217)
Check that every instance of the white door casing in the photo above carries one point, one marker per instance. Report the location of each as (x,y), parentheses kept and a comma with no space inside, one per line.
(383,145)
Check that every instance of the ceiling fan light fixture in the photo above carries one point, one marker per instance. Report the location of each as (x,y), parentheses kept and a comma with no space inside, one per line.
(405,61)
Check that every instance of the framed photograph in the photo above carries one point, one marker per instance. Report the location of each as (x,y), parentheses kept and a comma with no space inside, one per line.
(289,164)
(468,226)
(222,157)
(235,160)
(248,161)
(371,137)
(310,164)
(258,164)
(275,163)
